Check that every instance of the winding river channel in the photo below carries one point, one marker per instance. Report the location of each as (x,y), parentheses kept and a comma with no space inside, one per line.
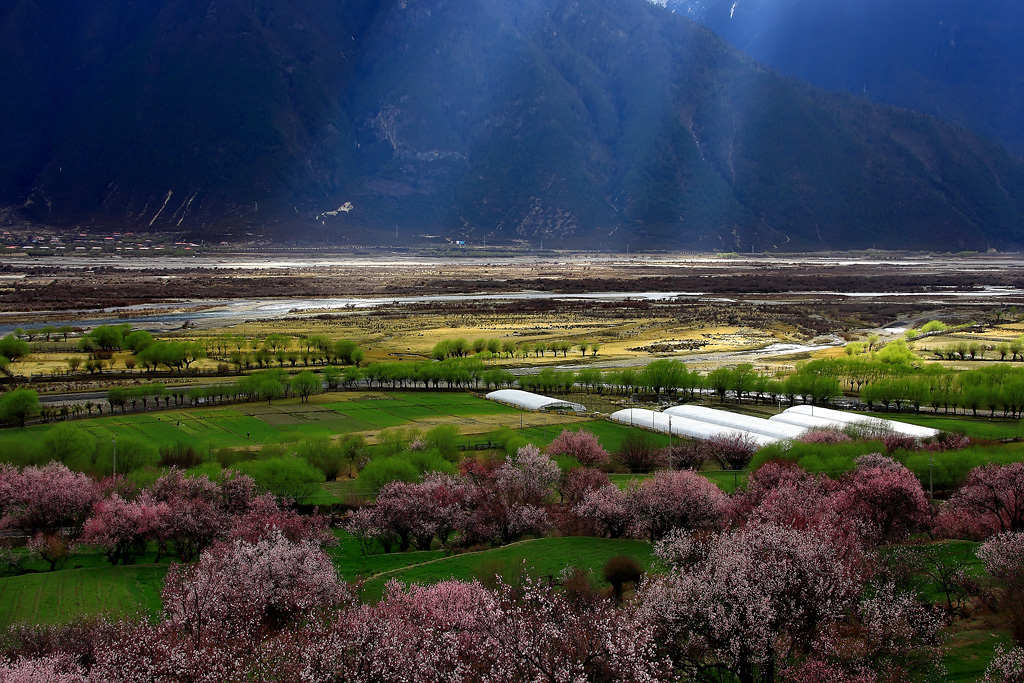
(216,312)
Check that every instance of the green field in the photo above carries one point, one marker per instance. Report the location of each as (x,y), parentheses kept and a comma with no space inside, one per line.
(353,565)
(55,597)
(539,557)
(284,421)
(969,650)
(93,587)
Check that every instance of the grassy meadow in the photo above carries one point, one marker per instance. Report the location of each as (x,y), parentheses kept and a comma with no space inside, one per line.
(71,593)
(289,420)
(539,557)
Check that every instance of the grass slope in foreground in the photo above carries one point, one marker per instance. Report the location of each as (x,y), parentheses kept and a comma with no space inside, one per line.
(62,596)
(540,557)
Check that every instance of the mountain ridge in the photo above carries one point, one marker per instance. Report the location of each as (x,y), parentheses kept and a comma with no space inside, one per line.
(594,124)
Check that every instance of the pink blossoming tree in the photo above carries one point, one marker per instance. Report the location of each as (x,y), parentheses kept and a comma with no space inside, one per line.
(994,493)
(675,499)
(582,445)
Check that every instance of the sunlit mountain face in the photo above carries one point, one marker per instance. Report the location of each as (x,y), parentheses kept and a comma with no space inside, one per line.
(961,61)
(583,124)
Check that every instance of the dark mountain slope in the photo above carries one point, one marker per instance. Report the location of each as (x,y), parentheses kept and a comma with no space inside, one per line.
(961,61)
(583,124)
(209,106)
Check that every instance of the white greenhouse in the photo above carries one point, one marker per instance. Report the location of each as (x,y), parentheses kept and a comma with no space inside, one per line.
(808,422)
(530,401)
(813,417)
(778,430)
(683,426)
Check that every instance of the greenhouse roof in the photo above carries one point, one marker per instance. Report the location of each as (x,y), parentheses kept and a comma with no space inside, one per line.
(843,418)
(778,430)
(809,422)
(530,401)
(684,426)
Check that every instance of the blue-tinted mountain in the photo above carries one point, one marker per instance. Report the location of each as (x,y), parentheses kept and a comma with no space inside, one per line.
(583,124)
(960,60)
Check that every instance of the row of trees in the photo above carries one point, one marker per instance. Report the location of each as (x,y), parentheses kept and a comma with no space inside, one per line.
(662,377)
(882,499)
(280,347)
(973,350)
(992,388)
(102,341)
(890,386)
(900,386)
(46,331)
(509,348)
(261,386)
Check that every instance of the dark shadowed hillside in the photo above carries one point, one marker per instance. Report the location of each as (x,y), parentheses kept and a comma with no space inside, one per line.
(958,60)
(580,123)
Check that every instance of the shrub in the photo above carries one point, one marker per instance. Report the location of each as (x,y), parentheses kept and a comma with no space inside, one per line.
(397,439)
(180,455)
(639,454)
(620,570)
(70,445)
(229,457)
(825,436)
(687,454)
(386,469)
(947,441)
(834,459)
(323,454)
(933,326)
(444,439)
(430,461)
(134,454)
(899,442)
(286,477)
(732,452)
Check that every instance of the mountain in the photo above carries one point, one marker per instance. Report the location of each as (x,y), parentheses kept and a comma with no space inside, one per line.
(591,124)
(960,61)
